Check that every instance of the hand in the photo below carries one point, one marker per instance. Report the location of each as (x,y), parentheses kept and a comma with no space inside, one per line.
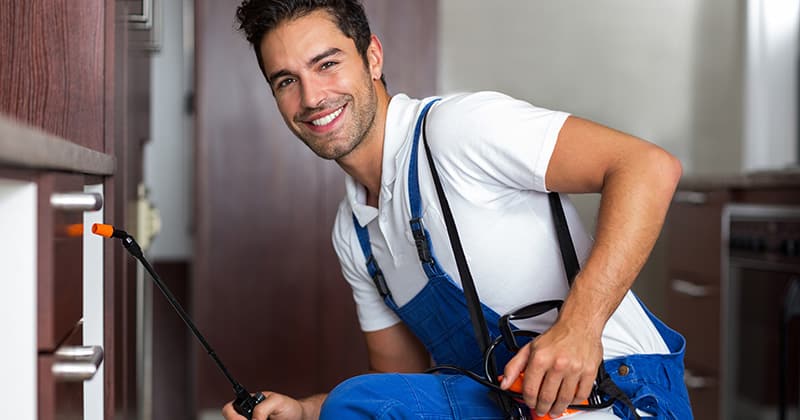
(275,407)
(560,368)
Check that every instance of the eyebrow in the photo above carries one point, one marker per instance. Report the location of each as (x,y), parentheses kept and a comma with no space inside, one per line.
(314,60)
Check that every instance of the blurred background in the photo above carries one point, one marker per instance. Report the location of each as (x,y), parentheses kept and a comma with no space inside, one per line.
(237,213)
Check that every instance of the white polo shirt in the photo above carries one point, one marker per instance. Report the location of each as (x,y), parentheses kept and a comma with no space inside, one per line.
(491,152)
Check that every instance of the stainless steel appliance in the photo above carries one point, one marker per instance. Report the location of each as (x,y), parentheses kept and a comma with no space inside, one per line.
(760,261)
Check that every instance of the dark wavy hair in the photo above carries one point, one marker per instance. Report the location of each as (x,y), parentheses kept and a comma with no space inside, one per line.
(258,17)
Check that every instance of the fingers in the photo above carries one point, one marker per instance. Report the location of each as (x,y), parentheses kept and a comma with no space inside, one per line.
(266,408)
(515,366)
(261,411)
(585,387)
(553,383)
(229,413)
(566,393)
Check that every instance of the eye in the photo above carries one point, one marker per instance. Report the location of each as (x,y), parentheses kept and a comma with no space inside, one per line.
(328,64)
(282,83)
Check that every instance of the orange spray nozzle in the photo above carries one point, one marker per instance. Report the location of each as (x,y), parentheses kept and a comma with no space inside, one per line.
(103,230)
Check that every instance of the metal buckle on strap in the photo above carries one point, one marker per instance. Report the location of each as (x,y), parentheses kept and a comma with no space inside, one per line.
(380,284)
(378,278)
(421,240)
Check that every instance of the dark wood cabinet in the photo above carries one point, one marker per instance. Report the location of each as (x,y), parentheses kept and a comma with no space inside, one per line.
(267,290)
(59,399)
(78,71)
(53,66)
(693,297)
(60,259)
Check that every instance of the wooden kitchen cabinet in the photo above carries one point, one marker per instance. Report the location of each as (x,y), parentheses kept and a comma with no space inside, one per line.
(58,398)
(692,298)
(60,259)
(74,110)
(61,203)
(44,213)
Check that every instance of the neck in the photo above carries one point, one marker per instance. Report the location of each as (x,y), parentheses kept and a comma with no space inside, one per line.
(365,162)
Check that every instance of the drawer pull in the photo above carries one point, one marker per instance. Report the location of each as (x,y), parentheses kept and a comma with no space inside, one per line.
(690,289)
(690,197)
(76,363)
(77,201)
(693,381)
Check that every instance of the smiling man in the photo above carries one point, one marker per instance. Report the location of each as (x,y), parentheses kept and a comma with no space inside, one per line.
(497,160)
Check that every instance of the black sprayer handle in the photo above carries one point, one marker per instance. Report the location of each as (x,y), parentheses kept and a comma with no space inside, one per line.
(244,403)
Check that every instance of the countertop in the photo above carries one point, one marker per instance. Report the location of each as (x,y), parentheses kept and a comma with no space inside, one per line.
(778,178)
(24,146)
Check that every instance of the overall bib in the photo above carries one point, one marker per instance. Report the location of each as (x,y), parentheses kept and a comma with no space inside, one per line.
(438,315)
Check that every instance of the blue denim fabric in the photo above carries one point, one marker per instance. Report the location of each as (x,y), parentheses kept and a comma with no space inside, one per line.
(654,382)
(409,396)
(438,315)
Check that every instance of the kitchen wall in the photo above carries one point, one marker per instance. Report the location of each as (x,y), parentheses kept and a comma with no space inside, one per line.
(668,72)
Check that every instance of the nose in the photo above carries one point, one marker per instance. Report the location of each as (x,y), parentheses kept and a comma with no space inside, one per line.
(312,92)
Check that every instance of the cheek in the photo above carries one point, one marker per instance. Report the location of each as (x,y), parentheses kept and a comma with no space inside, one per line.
(287,107)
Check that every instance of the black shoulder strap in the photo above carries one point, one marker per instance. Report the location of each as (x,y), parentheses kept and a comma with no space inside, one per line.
(470,293)
(568,255)
(473,302)
(571,267)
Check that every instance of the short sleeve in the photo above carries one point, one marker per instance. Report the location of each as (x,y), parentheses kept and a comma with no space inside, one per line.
(492,139)
(373,314)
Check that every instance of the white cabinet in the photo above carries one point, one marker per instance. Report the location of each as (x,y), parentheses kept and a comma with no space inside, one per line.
(18,350)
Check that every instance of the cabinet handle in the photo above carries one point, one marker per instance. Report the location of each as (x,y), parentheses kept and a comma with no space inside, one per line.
(76,201)
(688,288)
(693,381)
(690,197)
(77,363)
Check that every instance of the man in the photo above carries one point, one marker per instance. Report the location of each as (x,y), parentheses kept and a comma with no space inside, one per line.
(497,158)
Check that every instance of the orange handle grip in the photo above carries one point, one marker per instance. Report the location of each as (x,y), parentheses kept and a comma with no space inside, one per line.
(103,230)
(517,387)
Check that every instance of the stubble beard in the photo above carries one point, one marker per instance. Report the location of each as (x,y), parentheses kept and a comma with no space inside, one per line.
(344,140)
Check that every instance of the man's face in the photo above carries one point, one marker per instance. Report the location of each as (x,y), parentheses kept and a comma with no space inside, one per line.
(321,84)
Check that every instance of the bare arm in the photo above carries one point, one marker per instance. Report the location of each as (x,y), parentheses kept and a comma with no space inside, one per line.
(396,349)
(637,180)
(393,349)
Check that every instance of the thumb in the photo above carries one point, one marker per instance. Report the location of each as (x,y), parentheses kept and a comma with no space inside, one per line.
(516,365)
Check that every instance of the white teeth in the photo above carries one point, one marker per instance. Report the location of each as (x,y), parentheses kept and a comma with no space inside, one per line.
(327,119)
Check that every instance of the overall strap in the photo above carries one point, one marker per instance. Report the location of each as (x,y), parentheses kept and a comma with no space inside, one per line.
(418,231)
(568,255)
(372,265)
(420,237)
(468,285)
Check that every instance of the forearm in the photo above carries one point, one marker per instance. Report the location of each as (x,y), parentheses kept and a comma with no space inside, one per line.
(634,202)
(312,405)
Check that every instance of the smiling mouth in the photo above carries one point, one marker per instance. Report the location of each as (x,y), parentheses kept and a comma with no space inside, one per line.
(323,121)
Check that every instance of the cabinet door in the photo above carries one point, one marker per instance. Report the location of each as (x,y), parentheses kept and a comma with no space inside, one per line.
(60,259)
(59,398)
(64,362)
(693,296)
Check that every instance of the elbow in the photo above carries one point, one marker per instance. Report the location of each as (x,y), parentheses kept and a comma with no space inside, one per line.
(666,167)
(676,170)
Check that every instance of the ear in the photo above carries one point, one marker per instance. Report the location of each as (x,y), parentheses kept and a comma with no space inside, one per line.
(375,58)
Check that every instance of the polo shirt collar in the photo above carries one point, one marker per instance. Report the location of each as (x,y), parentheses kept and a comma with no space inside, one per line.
(399,117)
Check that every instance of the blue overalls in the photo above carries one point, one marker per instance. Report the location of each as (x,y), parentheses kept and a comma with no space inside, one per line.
(439,317)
